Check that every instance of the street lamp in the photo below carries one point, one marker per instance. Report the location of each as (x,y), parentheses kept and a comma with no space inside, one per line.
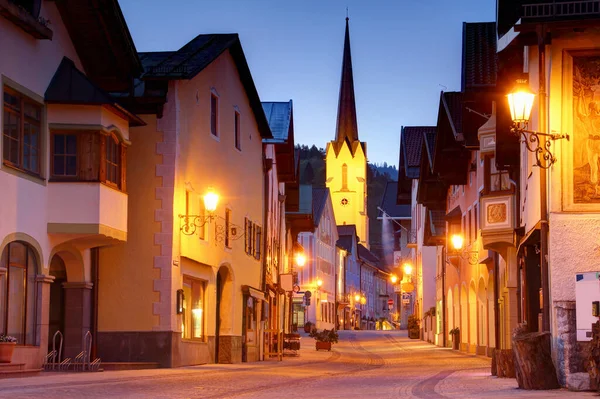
(300,259)
(193,222)
(407,269)
(394,279)
(319,283)
(520,101)
(457,242)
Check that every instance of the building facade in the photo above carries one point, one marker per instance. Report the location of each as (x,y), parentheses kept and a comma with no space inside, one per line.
(64,147)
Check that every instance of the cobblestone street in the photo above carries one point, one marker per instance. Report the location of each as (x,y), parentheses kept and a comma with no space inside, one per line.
(376,364)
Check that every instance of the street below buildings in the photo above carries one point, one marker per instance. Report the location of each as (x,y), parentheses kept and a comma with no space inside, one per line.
(364,364)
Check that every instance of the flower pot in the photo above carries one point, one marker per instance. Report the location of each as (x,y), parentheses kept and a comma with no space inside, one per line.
(323,345)
(307,328)
(6,351)
(455,342)
(413,334)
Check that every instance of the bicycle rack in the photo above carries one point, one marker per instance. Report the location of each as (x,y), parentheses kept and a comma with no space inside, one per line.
(52,361)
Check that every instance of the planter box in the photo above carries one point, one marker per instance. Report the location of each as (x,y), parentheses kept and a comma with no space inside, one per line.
(6,351)
(323,345)
(413,334)
(456,344)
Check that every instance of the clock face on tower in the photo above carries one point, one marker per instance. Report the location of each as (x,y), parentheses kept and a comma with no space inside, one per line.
(344,202)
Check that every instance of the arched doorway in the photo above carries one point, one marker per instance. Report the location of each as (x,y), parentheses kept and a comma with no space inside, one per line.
(482,320)
(56,320)
(472,317)
(70,302)
(223,318)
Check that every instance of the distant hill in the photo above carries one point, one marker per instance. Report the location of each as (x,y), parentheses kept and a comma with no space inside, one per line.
(312,171)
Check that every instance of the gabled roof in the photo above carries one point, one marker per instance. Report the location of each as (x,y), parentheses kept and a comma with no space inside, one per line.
(367,256)
(319,201)
(102,40)
(479,59)
(389,205)
(192,58)
(279,116)
(346,230)
(345,242)
(70,86)
(410,148)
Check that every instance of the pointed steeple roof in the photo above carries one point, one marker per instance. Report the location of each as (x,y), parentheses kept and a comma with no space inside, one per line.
(347,128)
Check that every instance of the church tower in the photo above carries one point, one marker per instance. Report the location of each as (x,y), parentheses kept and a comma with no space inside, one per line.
(346,158)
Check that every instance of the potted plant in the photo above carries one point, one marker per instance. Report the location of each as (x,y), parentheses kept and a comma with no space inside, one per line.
(455,332)
(308,326)
(413,327)
(7,345)
(324,338)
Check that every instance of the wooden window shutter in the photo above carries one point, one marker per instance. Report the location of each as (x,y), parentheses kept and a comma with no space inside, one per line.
(123,167)
(102,158)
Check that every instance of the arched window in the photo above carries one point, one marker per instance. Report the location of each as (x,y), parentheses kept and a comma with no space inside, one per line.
(344,177)
(17,292)
(113,170)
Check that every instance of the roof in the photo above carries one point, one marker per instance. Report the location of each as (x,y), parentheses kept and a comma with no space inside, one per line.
(345,242)
(479,59)
(192,58)
(102,40)
(452,102)
(430,145)
(346,127)
(279,116)
(70,86)
(388,203)
(367,256)
(319,200)
(410,143)
(346,230)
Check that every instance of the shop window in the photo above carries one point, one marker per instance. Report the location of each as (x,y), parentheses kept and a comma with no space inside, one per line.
(21,132)
(193,322)
(17,289)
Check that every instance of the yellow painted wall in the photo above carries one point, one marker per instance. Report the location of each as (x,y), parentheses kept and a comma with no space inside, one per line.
(127,271)
(355,211)
(205,161)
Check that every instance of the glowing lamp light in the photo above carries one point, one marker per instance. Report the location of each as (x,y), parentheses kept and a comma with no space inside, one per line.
(457,241)
(357,298)
(363,300)
(319,282)
(394,279)
(520,101)
(300,259)
(211,199)
(407,269)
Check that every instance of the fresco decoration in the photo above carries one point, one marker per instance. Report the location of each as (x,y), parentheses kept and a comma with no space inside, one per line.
(586,129)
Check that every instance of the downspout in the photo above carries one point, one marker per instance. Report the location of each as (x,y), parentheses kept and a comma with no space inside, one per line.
(266,168)
(543,183)
(496,299)
(95,260)
(444,327)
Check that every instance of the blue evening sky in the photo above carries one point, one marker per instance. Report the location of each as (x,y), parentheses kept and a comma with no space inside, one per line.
(402,52)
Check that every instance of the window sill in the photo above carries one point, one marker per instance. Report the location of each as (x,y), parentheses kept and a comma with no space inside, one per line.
(214,137)
(24,20)
(194,341)
(13,170)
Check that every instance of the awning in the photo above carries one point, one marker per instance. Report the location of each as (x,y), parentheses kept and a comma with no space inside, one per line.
(253,292)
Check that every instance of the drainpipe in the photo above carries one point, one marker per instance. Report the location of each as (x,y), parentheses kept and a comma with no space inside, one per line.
(444,327)
(95,260)
(496,297)
(543,183)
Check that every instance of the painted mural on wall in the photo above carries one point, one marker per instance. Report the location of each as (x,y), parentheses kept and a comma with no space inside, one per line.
(586,129)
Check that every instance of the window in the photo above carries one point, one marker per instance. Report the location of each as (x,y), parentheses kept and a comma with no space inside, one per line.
(249,236)
(257,245)
(344,177)
(64,155)
(228,228)
(236,131)
(495,180)
(214,114)
(21,133)
(17,290)
(112,161)
(193,308)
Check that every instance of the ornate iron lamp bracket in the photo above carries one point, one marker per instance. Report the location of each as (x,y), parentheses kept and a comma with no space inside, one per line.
(190,223)
(543,156)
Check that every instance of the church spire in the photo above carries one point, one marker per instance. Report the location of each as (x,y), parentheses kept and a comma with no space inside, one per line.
(347,128)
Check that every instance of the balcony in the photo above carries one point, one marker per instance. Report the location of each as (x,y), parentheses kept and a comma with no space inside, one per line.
(411,239)
(93,211)
(562,9)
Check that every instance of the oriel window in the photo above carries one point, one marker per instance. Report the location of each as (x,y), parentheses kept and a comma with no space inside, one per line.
(64,155)
(112,161)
